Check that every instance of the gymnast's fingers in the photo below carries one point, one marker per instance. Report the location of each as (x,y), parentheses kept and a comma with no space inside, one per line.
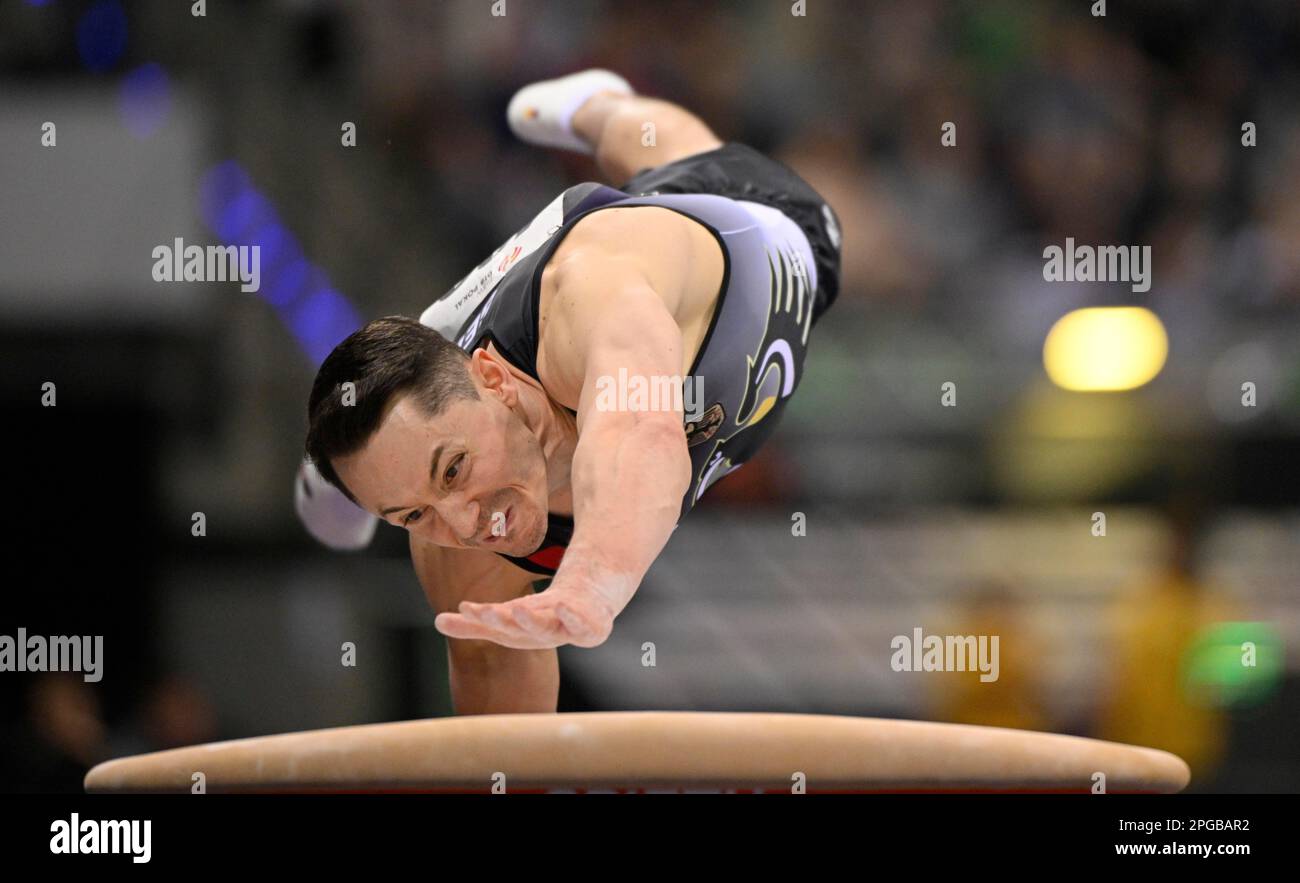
(533,616)
(500,625)
(487,614)
(536,623)
(455,625)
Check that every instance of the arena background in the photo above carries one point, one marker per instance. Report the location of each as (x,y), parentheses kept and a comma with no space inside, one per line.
(174,399)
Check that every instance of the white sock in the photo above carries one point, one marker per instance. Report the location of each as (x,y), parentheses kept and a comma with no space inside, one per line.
(542,113)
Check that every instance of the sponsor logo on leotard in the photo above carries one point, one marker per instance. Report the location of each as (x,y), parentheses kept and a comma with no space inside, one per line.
(449,312)
(706,427)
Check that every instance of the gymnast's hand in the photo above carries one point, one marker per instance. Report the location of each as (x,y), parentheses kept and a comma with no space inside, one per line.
(572,610)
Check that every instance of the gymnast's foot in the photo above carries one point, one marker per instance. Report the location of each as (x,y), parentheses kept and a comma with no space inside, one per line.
(542,113)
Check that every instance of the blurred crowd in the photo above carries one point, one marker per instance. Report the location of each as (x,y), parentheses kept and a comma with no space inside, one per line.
(1123,129)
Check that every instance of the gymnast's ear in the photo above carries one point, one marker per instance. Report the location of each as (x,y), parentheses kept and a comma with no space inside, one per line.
(491,374)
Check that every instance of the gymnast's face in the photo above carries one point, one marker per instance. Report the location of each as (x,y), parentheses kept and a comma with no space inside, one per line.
(473,477)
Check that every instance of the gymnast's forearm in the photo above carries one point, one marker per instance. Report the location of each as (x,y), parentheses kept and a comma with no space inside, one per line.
(628,479)
(506,682)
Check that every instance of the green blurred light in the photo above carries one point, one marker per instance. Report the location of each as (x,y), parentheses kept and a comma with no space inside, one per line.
(1234,664)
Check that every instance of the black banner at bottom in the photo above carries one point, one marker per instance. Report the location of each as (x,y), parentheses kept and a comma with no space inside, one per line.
(534,832)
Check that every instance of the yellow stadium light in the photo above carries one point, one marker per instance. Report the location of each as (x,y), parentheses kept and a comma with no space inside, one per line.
(1105,349)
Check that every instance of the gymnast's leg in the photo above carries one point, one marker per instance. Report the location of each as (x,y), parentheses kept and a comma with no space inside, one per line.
(596,112)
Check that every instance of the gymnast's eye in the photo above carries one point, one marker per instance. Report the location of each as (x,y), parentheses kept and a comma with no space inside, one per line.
(411,518)
(453,470)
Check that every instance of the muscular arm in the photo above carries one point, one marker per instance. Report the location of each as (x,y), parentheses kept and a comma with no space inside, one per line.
(630,467)
(609,305)
(486,677)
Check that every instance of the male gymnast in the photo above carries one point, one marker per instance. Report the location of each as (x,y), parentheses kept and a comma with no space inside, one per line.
(481,428)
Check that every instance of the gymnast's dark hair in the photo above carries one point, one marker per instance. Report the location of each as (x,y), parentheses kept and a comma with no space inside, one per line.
(387,358)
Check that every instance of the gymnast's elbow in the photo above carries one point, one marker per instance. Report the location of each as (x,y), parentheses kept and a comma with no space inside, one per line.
(486,678)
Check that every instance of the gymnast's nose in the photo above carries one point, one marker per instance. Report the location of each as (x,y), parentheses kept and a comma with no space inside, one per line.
(461,515)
